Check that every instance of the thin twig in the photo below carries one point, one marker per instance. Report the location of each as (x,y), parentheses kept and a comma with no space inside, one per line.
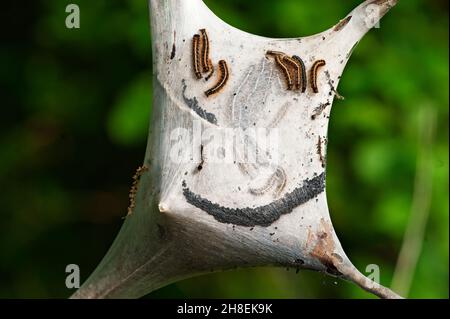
(420,210)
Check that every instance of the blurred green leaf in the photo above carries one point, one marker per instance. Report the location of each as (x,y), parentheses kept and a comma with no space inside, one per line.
(129,117)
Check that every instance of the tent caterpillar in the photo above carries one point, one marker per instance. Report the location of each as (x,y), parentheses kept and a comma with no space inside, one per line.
(277,55)
(297,71)
(285,71)
(299,78)
(206,63)
(196,55)
(303,78)
(223,78)
(134,188)
(314,70)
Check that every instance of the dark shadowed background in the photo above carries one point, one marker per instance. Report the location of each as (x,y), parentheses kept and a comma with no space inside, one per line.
(75,107)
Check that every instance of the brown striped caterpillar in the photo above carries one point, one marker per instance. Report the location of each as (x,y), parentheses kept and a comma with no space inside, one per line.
(223,78)
(284,69)
(298,78)
(296,71)
(314,70)
(304,78)
(274,53)
(206,63)
(196,55)
(134,188)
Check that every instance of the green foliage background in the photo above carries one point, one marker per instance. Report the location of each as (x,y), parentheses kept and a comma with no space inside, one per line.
(75,108)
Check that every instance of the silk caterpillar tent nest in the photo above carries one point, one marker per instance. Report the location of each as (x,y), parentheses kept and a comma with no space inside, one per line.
(259,198)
